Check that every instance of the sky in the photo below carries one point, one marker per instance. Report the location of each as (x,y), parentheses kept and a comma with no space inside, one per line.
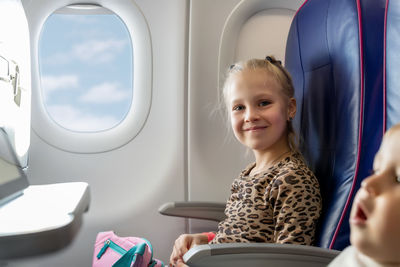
(86,70)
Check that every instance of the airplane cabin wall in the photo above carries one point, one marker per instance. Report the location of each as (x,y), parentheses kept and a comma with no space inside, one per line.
(185,150)
(128,184)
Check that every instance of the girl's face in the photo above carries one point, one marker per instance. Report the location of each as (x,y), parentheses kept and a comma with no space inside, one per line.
(259,110)
(375,216)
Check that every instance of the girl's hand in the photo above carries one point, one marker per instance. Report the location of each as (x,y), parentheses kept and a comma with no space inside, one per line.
(180,264)
(183,244)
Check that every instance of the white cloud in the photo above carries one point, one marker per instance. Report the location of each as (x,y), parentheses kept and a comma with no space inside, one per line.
(74,119)
(51,83)
(92,51)
(57,59)
(97,51)
(104,93)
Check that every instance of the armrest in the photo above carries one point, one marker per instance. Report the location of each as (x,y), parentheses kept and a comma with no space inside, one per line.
(194,209)
(257,254)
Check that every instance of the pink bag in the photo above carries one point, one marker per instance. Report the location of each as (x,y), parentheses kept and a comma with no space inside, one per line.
(112,250)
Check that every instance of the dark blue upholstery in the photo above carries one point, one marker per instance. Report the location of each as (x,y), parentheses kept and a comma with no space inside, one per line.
(339,92)
(373,18)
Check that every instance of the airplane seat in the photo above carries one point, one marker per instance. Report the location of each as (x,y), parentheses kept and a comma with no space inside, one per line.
(323,57)
(335,66)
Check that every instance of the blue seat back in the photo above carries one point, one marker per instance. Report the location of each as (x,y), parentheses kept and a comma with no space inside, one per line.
(335,55)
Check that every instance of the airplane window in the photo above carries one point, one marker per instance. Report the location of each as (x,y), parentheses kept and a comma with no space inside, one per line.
(92,75)
(86,70)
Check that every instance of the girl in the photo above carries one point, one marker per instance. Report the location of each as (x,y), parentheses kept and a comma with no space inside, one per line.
(277,198)
(375,215)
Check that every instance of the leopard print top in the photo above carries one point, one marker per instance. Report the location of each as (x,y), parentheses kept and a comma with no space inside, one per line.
(280,205)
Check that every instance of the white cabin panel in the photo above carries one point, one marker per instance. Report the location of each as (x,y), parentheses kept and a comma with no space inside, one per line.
(129,183)
(259,32)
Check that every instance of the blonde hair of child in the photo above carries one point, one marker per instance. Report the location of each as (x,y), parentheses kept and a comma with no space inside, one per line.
(276,70)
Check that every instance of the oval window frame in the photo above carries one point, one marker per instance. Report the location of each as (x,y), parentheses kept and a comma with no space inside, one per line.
(95,142)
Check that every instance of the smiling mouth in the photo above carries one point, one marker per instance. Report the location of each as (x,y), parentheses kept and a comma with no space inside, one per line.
(255,128)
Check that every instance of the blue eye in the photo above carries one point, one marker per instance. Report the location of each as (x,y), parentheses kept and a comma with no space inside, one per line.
(237,108)
(264,103)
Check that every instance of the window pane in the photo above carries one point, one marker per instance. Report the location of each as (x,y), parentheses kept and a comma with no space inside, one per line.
(86,70)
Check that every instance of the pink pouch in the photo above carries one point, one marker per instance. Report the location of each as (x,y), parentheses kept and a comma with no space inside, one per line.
(112,250)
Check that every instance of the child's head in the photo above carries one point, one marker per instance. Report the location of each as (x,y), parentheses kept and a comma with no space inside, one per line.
(259,98)
(375,216)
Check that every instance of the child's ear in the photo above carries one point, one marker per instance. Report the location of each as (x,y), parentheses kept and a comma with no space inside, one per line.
(292,107)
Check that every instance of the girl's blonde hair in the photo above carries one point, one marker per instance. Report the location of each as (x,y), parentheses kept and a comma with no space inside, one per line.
(280,74)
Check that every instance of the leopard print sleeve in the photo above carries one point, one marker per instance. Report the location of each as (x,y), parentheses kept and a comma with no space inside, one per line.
(296,205)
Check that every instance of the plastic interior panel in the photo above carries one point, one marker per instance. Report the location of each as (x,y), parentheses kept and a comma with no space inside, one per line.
(197,210)
(15,85)
(15,98)
(239,15)
(255,43)
(12,178)
(253,254)
(121,134)
(47,226)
